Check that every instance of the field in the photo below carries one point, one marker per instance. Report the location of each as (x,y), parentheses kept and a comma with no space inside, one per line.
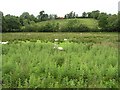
(91,23)
(89,60)
(64,25)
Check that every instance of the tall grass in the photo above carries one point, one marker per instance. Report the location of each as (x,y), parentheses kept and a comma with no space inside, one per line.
(75,37)
(36,64)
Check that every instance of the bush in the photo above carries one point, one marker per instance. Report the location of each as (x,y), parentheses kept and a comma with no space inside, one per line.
(47,27)
(74,26)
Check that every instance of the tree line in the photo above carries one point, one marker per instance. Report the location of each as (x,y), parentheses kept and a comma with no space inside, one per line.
(11,23)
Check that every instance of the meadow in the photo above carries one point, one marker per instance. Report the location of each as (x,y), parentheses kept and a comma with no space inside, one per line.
(63,25)
(89,60)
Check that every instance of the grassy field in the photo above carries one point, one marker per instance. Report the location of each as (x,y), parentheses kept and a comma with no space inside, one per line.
(63,25)
(91,23)
(89,60)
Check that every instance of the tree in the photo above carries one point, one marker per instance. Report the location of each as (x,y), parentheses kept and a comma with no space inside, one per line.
(42,16)
(26,22)
(4,24)
(89,15)
(84,14)
(55,16)
(95,14)
(118,22)
(73,14)
(66,16)
(52,16)
(12,22)
(70,15)
(112,22)
(1,14)
(24,16)
(76,15)
(33,18)
(45,17)
(103,21)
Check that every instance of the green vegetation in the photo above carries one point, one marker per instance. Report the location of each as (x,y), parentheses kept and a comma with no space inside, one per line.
(74,37)
(88,60)
(89,21)
(65,25)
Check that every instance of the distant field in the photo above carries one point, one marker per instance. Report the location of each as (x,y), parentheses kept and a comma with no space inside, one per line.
(89,60)
(91,23)
(63,25)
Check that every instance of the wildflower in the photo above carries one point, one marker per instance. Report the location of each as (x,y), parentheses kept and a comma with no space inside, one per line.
(4,42)
(58,48)
(65,39)
(56,39)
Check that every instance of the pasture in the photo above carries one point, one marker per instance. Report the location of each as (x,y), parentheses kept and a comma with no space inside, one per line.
(63,25)
(89,60)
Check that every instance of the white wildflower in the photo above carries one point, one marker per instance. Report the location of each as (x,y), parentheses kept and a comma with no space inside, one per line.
(56,39)
(65,39)
(4,42)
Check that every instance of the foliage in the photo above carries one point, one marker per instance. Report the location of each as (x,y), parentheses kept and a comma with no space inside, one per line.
(84,14)
(70,15)
(11,23)
(35,64)
(118,22)
(103,20)
(72,25)
(95,14)
(74,37)
(112,23)
(42,16)
(108,22)
(27,23)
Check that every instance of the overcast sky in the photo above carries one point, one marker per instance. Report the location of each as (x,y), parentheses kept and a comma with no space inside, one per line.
(59,7)
(119,6)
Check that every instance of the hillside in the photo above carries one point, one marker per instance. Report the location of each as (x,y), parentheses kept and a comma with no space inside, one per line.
(63,25)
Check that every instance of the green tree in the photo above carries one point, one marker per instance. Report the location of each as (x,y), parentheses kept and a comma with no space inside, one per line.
(70,15)
(23,17)
(84,14)
(66,16)
(112,22)
(45,17)
(3,25)
(52,16)
(118,22)
(1,21)
(26,18)
(26,22)
(12,22)
(89,14)
(103,21)
(95,14)
(42,16)
(33,18)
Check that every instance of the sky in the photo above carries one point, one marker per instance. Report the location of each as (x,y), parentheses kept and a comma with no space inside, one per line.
(59,7)
(119,6)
